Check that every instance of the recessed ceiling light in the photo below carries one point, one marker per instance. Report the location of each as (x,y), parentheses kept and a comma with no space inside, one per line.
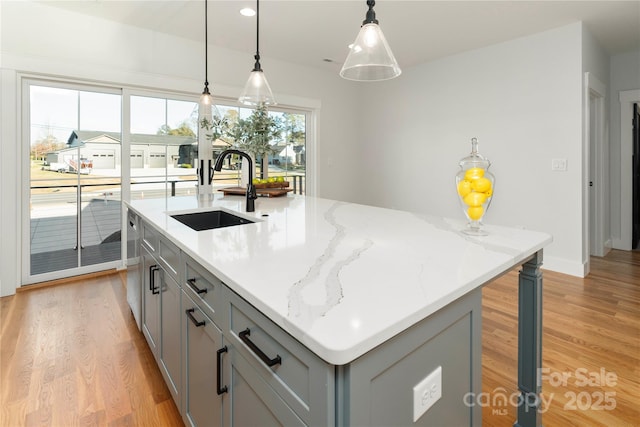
(247,11)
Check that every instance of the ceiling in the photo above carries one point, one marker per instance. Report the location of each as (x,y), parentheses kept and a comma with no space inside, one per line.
(316,33)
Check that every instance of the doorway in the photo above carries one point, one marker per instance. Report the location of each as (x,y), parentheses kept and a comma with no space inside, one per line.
(623,238)
(599,241)
(73,182)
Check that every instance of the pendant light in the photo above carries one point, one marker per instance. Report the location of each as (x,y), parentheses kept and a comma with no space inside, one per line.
(257,90)
(206,109)
(370,57)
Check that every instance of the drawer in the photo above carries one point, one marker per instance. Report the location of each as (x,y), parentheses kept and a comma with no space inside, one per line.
(205,289)
(150,236)
(297,375)
(169,257)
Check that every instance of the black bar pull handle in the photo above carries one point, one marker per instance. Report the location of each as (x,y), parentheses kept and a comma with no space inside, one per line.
(201,172)
(219,388)
(244,336)
(210,173)
(152,279)
(197,290)
(193,319)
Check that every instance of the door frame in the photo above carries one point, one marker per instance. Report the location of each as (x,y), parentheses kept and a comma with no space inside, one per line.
(627,99)
(27,278)
(595,225)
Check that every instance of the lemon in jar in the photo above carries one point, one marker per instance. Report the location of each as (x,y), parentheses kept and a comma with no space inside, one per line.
(473,174)
(475,212)
(481,185)
(475,199)
(464,187)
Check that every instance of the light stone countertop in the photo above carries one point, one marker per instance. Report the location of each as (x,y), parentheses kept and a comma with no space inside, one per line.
(339,277)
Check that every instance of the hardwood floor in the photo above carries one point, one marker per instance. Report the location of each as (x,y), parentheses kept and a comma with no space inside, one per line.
(591,330)
(71,354)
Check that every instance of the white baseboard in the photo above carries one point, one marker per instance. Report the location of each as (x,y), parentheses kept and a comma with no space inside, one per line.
(560,265)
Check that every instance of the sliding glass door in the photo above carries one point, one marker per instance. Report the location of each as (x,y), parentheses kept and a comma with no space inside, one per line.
(163,146)
(91,147)
(74,180)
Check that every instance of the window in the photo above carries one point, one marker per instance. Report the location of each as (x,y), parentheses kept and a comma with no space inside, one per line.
(163,146)
(289,156)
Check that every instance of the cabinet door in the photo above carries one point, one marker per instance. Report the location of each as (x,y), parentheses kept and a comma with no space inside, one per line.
(253,402)
(170,344)
(203,339)
(151,301)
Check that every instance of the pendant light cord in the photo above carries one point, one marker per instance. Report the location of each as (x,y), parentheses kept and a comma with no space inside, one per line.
(257,66)
(206,50)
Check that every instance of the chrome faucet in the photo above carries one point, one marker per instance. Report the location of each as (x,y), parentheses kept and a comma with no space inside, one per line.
(251,189)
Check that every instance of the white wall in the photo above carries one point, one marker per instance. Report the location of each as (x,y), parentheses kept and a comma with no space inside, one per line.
(9,217)
(97,50)
(625,76)
(522,99)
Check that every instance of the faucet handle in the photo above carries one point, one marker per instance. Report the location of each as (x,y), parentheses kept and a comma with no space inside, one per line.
(251,191)
(251,197)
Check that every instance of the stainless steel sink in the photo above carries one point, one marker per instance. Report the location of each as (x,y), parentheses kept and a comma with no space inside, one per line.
(211,219)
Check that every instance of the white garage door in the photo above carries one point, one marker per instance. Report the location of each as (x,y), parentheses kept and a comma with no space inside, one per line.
(104,159)
(157,160)
(137,158)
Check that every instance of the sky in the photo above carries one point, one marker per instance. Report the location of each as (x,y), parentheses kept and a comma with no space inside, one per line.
(58,111)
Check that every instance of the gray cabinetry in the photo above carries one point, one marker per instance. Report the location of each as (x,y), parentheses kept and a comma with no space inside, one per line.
(171,335)
(253,402)
(203,354)
(378,387)
(161,306)
(274,371)
(169,256)
(227,364)
(149,236)
(150,300)
(206,290)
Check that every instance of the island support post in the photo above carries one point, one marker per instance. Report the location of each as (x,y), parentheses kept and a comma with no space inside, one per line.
(530,342)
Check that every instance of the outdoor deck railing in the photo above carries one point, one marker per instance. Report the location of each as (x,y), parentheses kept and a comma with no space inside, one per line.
(298,182)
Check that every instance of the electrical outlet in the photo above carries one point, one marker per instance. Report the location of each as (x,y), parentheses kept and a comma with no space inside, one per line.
(426,393)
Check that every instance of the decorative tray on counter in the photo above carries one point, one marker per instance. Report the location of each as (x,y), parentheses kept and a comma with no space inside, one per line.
(281,184)
(260,191)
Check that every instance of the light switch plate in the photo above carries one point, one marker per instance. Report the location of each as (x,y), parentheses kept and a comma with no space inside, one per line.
(426,393)
(559,165)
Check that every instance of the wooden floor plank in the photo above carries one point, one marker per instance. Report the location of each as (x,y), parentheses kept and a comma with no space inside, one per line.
(589,325)
(71,354)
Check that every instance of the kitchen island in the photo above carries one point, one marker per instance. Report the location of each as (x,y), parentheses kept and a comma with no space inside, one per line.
(376,311)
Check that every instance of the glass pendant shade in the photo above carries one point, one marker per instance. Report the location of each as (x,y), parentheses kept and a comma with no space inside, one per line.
(205,104)
(370,58)
(206,108)
(257,90)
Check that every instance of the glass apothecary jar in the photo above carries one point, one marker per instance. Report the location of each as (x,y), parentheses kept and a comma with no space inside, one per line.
(475,185)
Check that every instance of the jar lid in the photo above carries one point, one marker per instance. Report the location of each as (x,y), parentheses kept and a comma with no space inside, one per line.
(474,159)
